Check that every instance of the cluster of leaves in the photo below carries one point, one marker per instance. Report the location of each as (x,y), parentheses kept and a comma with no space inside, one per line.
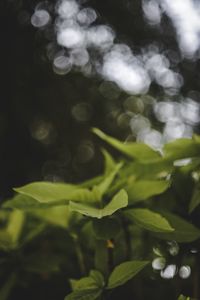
(107,219)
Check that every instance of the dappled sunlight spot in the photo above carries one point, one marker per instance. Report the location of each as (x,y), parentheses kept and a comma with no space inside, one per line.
(182,162)
(88,70)
(158,67)
(152,11)
(86,16)
(100,37)
(68,9)
(81,112)
(170,79)
(138,123)
(79,57)
(173,56)
(71,37)
(62,64)
(40,18)
(185,272)
(190,111)
(95,52)
(185,17)
(169,272)
(194,251)
(159,263)
(52,49)
(166,110)
(42,131)
(85,152)
(109,90)
(123,120)
(129,76)
(175,129)
(151,137)
(133,104)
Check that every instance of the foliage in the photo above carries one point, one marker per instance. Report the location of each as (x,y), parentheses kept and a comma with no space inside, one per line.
(105,226)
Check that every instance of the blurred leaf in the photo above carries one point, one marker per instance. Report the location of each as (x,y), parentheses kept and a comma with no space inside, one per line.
(85,294)
(9,236)
(6,289)
(149,170)
(120,200)
(124,272)
(23,202)
(181,148)
(57,215)
(32,232)
(103,186)
(184,231)
(56,193)
(133,150)
(91,182)
(195,201)
(143,189)
(109,163)
(181,297)
(149,220)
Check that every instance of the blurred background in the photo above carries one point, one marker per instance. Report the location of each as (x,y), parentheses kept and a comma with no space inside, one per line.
(128,67)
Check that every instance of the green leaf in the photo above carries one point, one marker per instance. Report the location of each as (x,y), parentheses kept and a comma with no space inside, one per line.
(195,201)
(57,215)
(87,288)
(95,280)
(101,183)
(181,297)
(85,294)
(106,228)
(60,193)
(103,186)
(124,272)
(143,189)
(120,200)
(98,277)
(91,182)
(23,202)
(148,170)
(183,231)
(149,220)
(6,289)
(132,150)
(181,148)
(109,163)
(9,236)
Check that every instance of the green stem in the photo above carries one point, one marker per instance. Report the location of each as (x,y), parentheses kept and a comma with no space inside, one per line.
(79,255)
(127,237)
(110,247)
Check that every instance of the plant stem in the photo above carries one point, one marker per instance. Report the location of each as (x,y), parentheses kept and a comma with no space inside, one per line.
(110,247)
(127,238)
(79,255)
